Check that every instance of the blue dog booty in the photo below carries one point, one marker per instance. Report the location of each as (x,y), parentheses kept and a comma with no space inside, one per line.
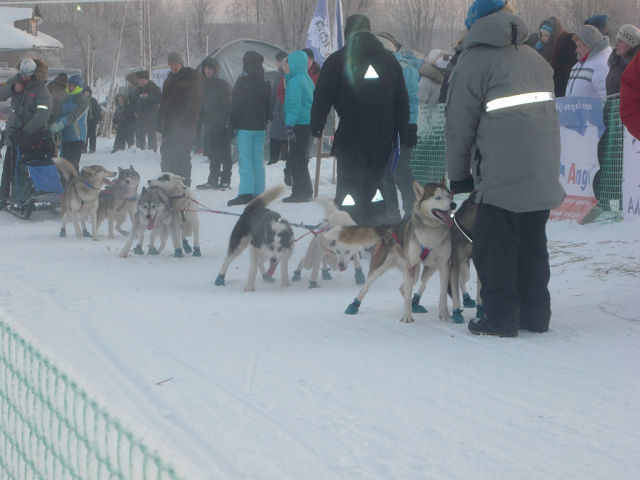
(353,308)
(415,304)
(219,281)
(467,301)
(457,316)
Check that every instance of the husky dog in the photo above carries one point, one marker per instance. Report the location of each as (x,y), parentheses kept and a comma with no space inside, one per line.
(118,201)
(80,198)
(334,253)
(270,238)
(153,212)
(422,239)
(461,250)
(183,202)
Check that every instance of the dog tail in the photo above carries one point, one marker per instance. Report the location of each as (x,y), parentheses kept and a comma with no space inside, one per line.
(66,168)
(328,205)
(363,236)
(267,197)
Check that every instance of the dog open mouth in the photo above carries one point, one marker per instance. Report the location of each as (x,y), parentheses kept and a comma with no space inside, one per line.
(151,222)
(107,181)
(443,215)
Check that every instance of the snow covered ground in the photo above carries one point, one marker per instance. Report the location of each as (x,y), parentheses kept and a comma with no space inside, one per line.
(281,384)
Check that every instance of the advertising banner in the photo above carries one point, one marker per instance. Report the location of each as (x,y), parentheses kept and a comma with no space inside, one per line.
(631,178)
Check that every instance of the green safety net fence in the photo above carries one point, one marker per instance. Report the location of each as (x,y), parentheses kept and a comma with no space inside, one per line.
(429,164)
(50,429)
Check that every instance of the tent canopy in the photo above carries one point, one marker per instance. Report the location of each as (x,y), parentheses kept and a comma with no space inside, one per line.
(229,58)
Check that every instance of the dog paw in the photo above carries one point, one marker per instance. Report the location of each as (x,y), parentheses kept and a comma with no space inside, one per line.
(456,316)
(443,315)
(353,308)
(359,277)
(178,253)
(186,247)
(296,276)
(325,274)
(250,288)
(219,281)
(467,301)
(138,250)
(85,233)
(196,252)
(407,319)
(152,251)
(124,254)
(313,284)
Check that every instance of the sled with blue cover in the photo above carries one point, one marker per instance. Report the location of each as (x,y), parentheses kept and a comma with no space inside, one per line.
(35,184)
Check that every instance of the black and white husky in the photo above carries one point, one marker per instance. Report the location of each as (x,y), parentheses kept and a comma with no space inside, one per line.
(269,236)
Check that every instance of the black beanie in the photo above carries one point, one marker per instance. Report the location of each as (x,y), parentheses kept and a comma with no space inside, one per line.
(356,23)
(252,62)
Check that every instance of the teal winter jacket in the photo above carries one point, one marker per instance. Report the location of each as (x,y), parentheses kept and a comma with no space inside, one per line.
(299,91)
(410,71)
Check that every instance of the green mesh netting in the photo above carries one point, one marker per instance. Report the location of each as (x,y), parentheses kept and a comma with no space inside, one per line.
(429,162)
(50,429)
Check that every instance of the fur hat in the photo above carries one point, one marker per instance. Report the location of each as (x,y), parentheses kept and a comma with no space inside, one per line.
(75,80)
(389,42)
(175,57)
(28,67)
(142,74)
(629,34)
(589,35)
(131,77)
(482,8)
(356,23)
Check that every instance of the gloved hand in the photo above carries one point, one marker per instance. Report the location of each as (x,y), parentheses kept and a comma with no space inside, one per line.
(316,133)
(291,134)
(410,137)
(462,186)
(55,127)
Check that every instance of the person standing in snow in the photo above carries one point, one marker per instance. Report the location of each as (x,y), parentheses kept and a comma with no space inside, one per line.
(250,112)
(93,118)
(557,47)
(588,77)
(149,96)
(277,132)
(626,47)
(502,130)
(297,108)
(364,83)
(72,125)
(178,116)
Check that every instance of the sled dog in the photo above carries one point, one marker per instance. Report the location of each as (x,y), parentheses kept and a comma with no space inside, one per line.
(422,239)
(333,254)
(269,236)
(80,198)
(153,212)
(182,201)
(118,202)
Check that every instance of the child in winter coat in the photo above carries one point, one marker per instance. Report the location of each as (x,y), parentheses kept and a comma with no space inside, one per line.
(124,123)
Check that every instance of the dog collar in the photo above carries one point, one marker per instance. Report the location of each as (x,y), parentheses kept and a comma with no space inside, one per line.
(89,185)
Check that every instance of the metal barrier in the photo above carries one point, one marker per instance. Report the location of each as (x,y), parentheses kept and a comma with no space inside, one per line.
(429,163)
(51,429)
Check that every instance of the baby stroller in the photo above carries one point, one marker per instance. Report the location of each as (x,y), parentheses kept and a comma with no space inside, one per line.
(35,182)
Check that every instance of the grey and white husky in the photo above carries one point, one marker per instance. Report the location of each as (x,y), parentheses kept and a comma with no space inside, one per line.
(118,201)
(153,212)
(269,237)
(421,240)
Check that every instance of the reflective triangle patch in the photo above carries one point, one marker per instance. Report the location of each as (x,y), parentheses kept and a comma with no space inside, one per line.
(377,197)
(348,201)
(371,73)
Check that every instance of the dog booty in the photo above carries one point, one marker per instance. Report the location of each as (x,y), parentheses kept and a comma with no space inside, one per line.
(219,281)
(457,316)
(353,308)
(467,301)
(415,304)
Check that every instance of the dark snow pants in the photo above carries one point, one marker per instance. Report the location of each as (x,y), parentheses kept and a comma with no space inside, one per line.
(217,147)
(511,258)
(175,154)
(298,163)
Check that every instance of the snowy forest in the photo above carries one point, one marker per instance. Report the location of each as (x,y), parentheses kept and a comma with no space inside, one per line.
(90,31)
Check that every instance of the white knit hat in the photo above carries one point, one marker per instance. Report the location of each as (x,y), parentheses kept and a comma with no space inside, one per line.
(629,35)
(27,67)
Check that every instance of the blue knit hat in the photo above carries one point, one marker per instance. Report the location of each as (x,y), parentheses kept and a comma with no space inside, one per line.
(75,80)
(482,8)
(601,22)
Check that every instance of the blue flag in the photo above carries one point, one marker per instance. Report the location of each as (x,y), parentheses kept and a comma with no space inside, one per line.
(319,34)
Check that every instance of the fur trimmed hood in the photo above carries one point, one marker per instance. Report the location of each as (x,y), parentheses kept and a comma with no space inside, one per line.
(42,69)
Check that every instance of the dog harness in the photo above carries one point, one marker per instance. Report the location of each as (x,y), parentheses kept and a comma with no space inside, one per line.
(423,254)
(467,235)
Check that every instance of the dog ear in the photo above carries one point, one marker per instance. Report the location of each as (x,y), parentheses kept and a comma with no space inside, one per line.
(418,189)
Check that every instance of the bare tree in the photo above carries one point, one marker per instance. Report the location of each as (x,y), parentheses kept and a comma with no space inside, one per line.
(415,19)
(199,13)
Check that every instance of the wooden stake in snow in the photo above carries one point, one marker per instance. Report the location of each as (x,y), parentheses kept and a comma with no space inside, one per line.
(110,99)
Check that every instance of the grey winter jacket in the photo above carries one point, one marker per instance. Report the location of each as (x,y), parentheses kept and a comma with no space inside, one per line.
(513,152)
(30,109)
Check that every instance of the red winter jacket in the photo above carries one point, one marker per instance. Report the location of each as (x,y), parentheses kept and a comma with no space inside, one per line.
(630,96)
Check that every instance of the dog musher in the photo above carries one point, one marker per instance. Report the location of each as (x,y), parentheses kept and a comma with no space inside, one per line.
(72,125)
(178,118)
(364,83)
(149,97)
(30,110)
(502,126)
